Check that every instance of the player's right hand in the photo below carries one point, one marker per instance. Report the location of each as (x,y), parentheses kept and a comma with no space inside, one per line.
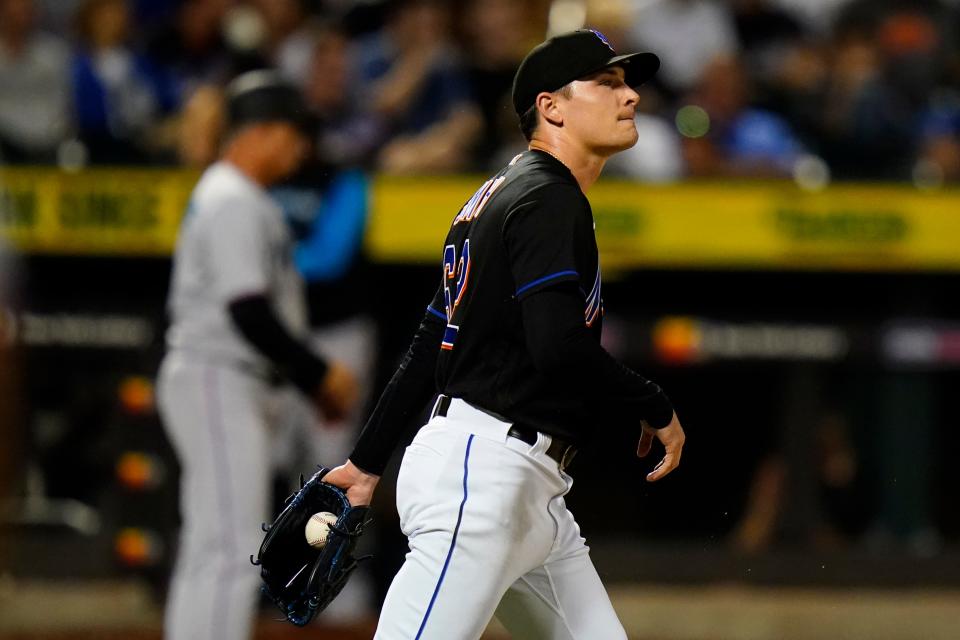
(338,392)
(672,438)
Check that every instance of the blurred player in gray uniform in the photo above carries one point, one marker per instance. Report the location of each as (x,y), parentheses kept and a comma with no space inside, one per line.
(238,320)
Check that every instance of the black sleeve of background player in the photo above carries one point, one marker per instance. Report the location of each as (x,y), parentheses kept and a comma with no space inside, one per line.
(563,349)
(407,393)
(257,322)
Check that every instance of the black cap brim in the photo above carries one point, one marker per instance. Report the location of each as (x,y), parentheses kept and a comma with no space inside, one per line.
(638,68)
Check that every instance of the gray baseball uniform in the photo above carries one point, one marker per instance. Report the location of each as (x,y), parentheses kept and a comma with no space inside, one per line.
(214,397)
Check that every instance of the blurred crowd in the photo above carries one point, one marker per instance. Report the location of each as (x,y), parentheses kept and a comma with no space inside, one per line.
(833,89)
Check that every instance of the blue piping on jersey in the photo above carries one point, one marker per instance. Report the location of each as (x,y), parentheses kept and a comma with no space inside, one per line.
(558,274)
(439,314)
(453,542)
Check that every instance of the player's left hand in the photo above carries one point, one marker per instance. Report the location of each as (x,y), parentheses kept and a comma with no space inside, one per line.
(672,437)
(358,484)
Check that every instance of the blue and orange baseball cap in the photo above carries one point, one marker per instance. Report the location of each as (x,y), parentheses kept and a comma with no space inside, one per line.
(569,56)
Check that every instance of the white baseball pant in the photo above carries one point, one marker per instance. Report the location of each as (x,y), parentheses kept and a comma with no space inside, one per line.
(490,533)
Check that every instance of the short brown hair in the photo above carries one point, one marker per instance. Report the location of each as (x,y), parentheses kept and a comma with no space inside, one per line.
(530,120)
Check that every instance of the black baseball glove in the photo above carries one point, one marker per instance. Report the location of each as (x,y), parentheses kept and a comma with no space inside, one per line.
(301,579)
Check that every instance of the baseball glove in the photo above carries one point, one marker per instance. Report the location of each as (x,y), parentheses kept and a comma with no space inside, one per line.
(300,579)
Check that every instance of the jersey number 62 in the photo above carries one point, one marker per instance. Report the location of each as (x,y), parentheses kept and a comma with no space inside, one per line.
(456,276)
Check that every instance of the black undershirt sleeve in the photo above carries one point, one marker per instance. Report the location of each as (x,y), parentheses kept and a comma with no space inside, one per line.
(406,395)
(563,349)
(255,319)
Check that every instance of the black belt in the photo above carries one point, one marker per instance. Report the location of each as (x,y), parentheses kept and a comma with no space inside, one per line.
(559,450)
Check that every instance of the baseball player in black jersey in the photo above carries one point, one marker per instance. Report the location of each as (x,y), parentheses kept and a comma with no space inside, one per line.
(511,341)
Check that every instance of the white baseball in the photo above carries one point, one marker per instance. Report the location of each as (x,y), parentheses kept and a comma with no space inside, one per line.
(318,528)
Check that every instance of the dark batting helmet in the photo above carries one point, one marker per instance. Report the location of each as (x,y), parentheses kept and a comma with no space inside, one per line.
(265,96)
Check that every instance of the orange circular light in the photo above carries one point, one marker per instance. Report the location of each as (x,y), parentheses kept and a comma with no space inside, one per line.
(136,395)
(136,547)
(136,471)
(677,340)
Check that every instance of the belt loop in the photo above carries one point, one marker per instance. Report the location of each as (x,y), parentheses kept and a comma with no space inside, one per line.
(440,407)
(542,444)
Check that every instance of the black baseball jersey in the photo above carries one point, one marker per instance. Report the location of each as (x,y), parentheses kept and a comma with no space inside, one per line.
(514,328)
(527,228)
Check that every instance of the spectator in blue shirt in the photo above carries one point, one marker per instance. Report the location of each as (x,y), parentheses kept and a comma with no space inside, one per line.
(741,139)
(119,96)
(414,84)
(940,137)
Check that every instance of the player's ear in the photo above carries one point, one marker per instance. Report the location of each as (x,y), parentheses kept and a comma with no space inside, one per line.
(549,107)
